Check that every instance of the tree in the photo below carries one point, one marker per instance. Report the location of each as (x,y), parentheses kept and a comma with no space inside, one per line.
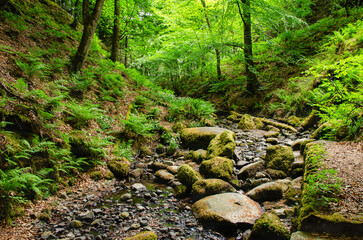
(245,13)
(76,14)
(90,21)
(218,53)
(116,33)
(3,3)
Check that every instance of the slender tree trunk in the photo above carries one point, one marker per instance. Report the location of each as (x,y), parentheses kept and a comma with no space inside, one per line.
(218,53)
(91,21)
(76,14)
(252,82)
(116,33)
(125,51)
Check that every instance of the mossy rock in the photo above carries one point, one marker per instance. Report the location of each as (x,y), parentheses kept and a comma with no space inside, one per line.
(208,122)
(75,224)
(325,131)
(96,175)
(145,151)
(276,174)
(246,123)
(147,235)
(109,175)
(187,175)
(120,169)
(199,138)
(222,145)
(279,157)
(206,187)
(250,170)
(271,134)
(164,175)
(271,128)
(270,227)
(199,155)
(342,132)
(258,123)
(217,167)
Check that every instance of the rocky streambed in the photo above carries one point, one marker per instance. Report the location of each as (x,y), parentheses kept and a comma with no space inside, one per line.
(251,169)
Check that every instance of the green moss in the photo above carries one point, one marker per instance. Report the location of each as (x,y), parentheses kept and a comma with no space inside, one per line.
(217,167)
(279,157)
(234,118)
(311,120)
(269,226)
(271,134)
(147,235)
(96,175)
(181,191)
(293,120)
(278,125)
(187,175)
(222,145)
(258,123)
(246,123)
(109,175)
(119,169)
(75,224)
(325,131)
(199,155)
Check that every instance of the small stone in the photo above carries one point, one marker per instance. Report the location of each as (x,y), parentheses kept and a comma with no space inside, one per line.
(75,224)
(135,226)
(124,215)
(48,235)
(138,187)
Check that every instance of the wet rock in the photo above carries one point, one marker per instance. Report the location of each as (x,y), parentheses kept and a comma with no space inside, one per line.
(164,176)
(147,235)
(124,215)
(158,166)
(269,226)
(137,173)
(88,216)
(272,141)
(217,167)
(266,192)
(276,174)
(173,169)
(222,145)
(199,138)
(279,157)
(206,187)
(227,210)
(138,187)
(187,175)
(250,170)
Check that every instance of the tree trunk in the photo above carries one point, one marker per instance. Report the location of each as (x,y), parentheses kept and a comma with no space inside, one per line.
(218,53)
(76,14)
(125,51)
(252,82)
(90,26)
(116,33)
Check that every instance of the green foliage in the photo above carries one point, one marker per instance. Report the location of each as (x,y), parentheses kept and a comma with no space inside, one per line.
(322,184)
(79,115)
(124,149)
(140,125)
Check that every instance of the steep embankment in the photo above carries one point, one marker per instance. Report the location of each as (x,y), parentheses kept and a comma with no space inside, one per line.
(56,125)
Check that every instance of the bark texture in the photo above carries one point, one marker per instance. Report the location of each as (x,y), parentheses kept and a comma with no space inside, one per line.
(116,33)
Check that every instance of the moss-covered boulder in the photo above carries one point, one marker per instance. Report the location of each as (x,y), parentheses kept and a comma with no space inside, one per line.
(258,122)
(269,226)
(200,137)
(147,235)
(199,155)
(222,145)
(227,211)
(181,191)
(120,169)
(278,125)
(293,120)
(187,175)
(217,167)
(234,118)
(271,134)
(206,187)
(311,121)
(246,123)
(96,175)
(279,157)
(266,192)
(275,174)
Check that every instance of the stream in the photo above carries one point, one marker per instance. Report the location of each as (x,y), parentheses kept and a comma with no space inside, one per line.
(112,209)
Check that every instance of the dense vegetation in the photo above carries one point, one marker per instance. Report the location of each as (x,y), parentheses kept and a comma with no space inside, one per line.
(66,110)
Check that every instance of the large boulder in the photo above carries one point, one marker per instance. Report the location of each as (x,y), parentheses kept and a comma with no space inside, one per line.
(246,123)
(120,169)
(217,167)
(222,145)
(269,226)
(206,187)
(200,137)
(227,211)
(279,157)
(199,155)
(266,192)
(250,170)
(187,175)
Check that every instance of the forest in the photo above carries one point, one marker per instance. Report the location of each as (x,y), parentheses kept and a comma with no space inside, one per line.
(165,119)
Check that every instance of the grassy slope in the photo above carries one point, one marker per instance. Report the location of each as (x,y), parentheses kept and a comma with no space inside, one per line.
(55,125)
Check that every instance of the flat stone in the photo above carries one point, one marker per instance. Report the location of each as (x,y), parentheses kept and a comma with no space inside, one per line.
(200,137)
(227,210)
(138,187)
